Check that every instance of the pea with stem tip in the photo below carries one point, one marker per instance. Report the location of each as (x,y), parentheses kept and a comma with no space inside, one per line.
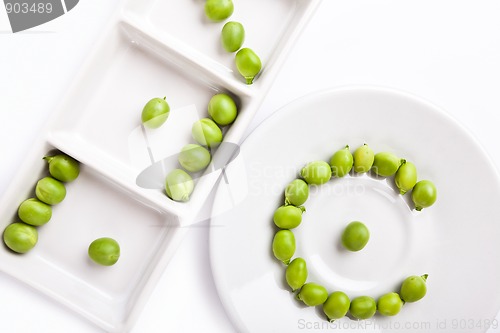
(312,294)
(296,193)
(155,112)
(104,251)
(336,305)
(296,273)
(413,288)
(248,64)
(179,185)
(218,10)
(316,173)
(363,158)
(386,164)
(406,177)
(194,157)
(288,217)
(50,190)
(284,246)
(33,211)
(363,307)
(424,194)
(232,36)
(222,109)
(206,132)
(20,237)
(63,167)
(341,162)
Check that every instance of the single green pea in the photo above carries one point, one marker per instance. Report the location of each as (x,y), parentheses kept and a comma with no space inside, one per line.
(194,157)
(316,173)
(406,177)
(232,36)
(355,236)
(288,217)
(336,305)
(389,304)
(20,237)
(284,246)
(424,194)
(296,273)
(179,185)
(206,132)
(413,288)
(218,10)
(50,191)
(386,164)
(363,307)
(341,162)
(63,167)
(104,251)
(155,112)
(33,211)
(297,192)
(363,159)
(248,64)
(312,294)
(222,109)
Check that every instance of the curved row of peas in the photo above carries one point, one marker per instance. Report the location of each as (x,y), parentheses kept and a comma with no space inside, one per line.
(247,61)
(22,236)
(206,132)
(289,216)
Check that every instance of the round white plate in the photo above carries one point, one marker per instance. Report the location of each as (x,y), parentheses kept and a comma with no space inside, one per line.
(456,241)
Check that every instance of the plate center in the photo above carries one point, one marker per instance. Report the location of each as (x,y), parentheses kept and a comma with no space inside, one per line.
(330,208)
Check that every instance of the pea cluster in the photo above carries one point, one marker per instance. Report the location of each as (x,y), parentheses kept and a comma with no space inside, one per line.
(247,61)
(207,132)
(22,236)
(289,216)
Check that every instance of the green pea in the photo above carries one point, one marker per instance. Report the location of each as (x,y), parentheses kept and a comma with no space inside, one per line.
(389,304)
(194,157)
(179,185)
(104,251)
(312,294)
(284,246)
(316,173)
(386,164)
(363,159)
(222,109)
(413,288)
(355,236)
(287,217)
(155,112)
(33,211)
(63,167)
(424,194)
(20,237)
(297,192)
(248,64)
(218,10)
(232,36)
(336,305)
(341,162)
(296,273)
(363,307)
(50,191)
(406,177)
(206,132)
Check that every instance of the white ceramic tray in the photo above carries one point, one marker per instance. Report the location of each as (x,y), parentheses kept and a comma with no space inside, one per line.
(151,49)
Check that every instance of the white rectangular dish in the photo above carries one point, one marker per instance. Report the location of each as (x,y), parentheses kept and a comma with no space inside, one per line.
(152,49)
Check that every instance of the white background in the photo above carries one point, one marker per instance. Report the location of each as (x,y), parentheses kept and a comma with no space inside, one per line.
(446,51)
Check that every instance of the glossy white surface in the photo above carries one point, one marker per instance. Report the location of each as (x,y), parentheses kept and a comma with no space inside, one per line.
(440,240)
(451,59)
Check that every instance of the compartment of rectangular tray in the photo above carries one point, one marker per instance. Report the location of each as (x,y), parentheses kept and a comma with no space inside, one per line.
(270,28)
(94,207)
